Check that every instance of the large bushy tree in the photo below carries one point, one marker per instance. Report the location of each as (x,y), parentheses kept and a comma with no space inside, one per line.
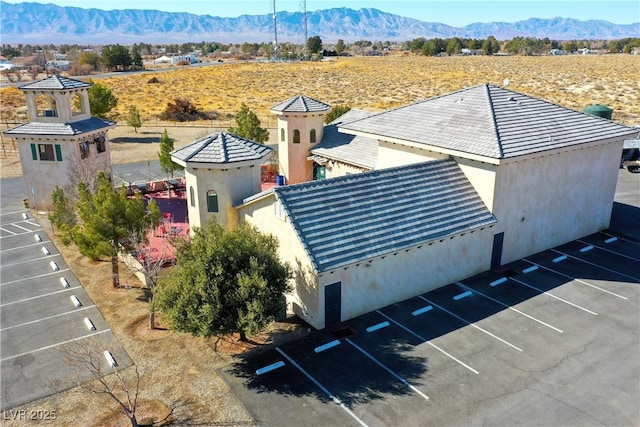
(249,126)
(116,57)
(224,282)
(101,222)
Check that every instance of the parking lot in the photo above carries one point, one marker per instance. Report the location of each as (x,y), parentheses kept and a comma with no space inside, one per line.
(553,339)
(43,308)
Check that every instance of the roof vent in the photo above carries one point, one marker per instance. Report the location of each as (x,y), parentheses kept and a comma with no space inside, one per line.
(512,98)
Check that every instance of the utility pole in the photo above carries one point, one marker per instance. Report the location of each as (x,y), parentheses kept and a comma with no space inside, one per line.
(275,54)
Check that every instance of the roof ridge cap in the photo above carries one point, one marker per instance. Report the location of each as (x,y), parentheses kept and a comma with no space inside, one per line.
(493,119)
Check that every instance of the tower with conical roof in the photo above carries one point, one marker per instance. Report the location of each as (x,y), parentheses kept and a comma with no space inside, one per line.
(221,170)
(300,128)
(61,143)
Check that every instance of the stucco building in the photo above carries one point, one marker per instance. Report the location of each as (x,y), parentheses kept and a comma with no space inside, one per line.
(423,195)
(61,139)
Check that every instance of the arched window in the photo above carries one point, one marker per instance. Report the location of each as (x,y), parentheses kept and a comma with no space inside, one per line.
(282,134)
(212,201)
(312,136)
(46,106)
(192,196)
(76,105)
(296,136)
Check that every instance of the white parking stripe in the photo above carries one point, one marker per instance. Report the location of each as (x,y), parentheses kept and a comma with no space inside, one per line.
(470,323)
(427,341)
(39,296)
(321,387)
(599,266)
(383,366)
(34,277)
(26,261)
(556,297)
(46,318)
(54,345)
(610,250)
(24,246)
(8,231)
(513,309)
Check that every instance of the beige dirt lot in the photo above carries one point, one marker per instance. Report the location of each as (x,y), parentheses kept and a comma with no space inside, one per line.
(180,370)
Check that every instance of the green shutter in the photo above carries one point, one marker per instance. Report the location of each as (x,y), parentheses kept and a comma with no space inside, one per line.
(58,153)
(34,152)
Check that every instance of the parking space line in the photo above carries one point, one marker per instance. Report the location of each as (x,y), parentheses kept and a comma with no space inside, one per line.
(55,345)
(383,366)
(8,231)
(321,387)
(13,224)
(513,309)
(47,318)
(39,296)
(31,260)
(578,280)
(556,297)
(24,246)
(62,270)
(611,251)
(428,342)
(599,266)
(470,323)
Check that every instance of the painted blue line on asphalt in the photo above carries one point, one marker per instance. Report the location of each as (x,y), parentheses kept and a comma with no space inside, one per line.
(530,269)
(326,346)
(611,240)
(586,249)
(422,310)
(498,282)
(560,258)
(378,326)
(270,368)
(462,295)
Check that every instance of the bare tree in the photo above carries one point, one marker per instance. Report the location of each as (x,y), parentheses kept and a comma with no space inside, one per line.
(121,386)
(149,263)
(84,170)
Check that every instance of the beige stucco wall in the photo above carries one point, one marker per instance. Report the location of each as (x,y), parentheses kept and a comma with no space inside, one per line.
(42,176)
(550,200)
(405,274)
(232,184)
(293,157)
(391,155)
(335,169)
(482,176)
(63,106)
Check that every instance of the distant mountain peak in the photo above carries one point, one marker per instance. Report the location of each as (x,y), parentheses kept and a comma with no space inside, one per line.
(38,23)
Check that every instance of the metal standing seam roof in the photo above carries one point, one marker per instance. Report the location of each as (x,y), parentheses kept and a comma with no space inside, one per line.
(59,129)
(355,150)
(489,121)
(221,147)
(301,104)
(55,83)
(354,218)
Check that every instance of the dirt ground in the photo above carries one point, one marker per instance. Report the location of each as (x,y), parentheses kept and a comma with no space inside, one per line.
(180,384)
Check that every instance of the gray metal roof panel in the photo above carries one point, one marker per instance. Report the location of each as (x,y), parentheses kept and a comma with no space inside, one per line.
(490,121)
(55,82)
(353,218)
(221,147)
(59,129)
(356,150)
(301,104)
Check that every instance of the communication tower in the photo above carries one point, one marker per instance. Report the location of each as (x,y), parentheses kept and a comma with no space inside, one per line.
(275,54)
(305,33)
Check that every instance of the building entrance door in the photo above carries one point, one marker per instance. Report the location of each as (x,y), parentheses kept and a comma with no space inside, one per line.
(332,304)
(496,253)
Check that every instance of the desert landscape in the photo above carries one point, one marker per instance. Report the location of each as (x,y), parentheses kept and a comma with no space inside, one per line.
(369,83)
(180,384)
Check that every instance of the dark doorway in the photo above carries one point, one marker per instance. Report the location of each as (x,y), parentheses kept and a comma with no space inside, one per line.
(332,304)
(496,253)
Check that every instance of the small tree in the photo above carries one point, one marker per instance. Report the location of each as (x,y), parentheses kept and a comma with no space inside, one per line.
(249,126)
(167,165)
(101,100)
(314,44)
(105,219)
(224,282)
(340,47)
(335,112)
(133,119)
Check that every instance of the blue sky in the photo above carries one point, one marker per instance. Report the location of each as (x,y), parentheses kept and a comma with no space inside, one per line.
(452,12)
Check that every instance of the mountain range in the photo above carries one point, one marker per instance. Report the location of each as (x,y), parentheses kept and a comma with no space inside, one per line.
(37,23)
